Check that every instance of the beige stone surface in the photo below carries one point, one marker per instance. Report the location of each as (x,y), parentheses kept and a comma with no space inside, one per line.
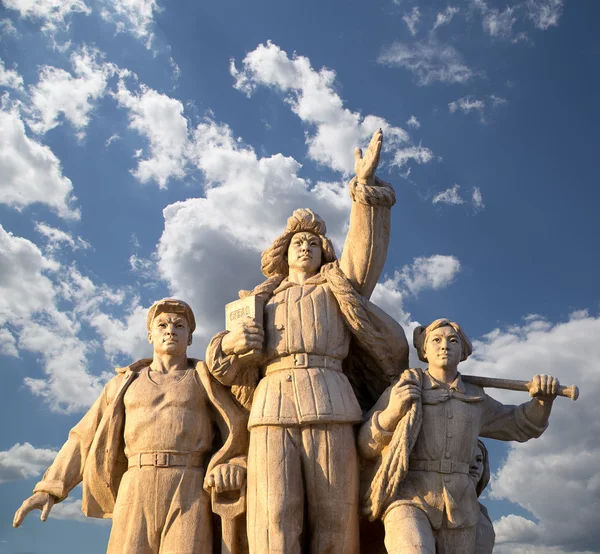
(421,438)
(162,436)
(324,353)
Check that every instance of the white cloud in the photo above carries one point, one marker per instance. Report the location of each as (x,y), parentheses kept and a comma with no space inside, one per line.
(132,16)
(429,61)
(545,13)
(211,246)
(477,199)
(56,238)
(413,122)
(496,23)
(8,343)
(433,272)
(445,17)
(412,19)
(31,172)
(467,104)
(53,14)
(159,119)
(24,287)
(449,196)
(498,101)
(312,97)
(70,509)
(557,477)
(10,78)
(7,28)
(22,461)
(72,96)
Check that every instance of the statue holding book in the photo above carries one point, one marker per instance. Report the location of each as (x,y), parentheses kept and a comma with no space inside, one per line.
(317,354)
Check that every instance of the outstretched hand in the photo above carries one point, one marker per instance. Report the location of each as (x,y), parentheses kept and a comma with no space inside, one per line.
(39,501)
(366,166)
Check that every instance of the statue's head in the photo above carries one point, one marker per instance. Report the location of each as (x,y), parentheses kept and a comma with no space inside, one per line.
(427,341)
(170,325)
(479,469)
(303,243)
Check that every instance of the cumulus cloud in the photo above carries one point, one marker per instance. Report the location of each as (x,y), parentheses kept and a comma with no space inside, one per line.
(132,16)
(32,287)
(53,14)
(211,246)
(425,273)
(59,92)
(70,509)
(413,122)
(23,461)
(558,475)
(31,171)
(159,119)
(412,19)
(312,97)
(545,13)
(430,61)
(8,343)
(445,17)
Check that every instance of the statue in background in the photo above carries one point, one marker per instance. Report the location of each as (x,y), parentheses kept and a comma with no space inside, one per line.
(421,437)
(479,471)
(323,355)
(162,434)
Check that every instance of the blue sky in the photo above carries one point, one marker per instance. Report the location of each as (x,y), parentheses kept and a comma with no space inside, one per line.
(153,148)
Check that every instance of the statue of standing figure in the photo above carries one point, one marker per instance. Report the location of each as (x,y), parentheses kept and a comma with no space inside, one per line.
(422,437)
(323,350)
(162,435)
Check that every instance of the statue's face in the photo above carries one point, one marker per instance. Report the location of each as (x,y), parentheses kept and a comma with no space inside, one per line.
(443,348)
(170,334)
(304,253)
(476,467)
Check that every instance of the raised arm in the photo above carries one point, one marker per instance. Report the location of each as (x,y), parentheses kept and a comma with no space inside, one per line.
(368,235)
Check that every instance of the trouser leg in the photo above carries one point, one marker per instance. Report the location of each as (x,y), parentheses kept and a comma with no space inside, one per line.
(451,541)
(184,512)
(408,531)
(275,492)
(133,522)
(331,478)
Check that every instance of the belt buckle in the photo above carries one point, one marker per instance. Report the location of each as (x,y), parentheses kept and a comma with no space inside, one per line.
(301,359)
(445,466)
(161,459)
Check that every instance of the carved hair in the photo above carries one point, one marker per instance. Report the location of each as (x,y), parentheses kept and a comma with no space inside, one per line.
(421,334)
(274,259)
(485,476)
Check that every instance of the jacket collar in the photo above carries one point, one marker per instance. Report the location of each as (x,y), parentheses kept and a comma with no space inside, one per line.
(430,383)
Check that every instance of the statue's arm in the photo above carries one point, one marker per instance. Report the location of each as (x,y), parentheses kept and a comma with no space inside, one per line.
(67,469)
(225,368)
(366,246)
(512,423)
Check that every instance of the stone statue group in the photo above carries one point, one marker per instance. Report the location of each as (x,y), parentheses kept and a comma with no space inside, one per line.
(305,428)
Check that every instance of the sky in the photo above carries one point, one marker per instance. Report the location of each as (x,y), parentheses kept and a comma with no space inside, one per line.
(152,148)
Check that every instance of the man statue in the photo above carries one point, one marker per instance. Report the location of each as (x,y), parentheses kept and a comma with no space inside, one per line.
(143,450)
(422,436)
(298,378)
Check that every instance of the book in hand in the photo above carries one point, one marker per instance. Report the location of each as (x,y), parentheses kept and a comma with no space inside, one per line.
(250,307)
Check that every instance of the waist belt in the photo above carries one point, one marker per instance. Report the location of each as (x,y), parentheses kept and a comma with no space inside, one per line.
(303,360)
(439,466)
(167,459)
